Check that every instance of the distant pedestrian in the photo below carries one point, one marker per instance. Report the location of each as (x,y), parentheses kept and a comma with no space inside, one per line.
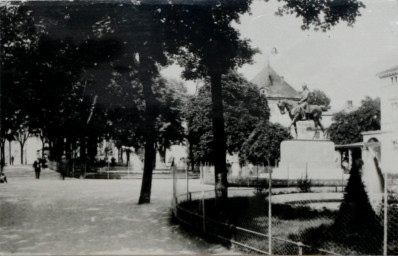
(63,167)
(3,178)
(113,162)
(37,168)
(12,160)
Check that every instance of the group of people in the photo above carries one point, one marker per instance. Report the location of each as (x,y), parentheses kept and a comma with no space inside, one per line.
(37,165)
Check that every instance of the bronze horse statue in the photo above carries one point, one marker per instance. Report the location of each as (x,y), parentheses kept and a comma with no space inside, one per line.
(314,112)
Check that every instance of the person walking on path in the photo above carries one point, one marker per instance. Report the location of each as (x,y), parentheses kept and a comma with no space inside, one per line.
(37,168)
(12,160)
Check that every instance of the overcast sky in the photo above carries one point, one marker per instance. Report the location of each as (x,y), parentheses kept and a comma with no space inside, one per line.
(342,62)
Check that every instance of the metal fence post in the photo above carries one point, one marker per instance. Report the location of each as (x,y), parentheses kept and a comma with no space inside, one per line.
(203,202)
(270,213)
(300,248)
(187,183)
(233,237)
(258,187)
(174,188)
(73,166)
(385,241)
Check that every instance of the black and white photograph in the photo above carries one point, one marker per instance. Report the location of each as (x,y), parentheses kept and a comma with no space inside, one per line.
(199,127)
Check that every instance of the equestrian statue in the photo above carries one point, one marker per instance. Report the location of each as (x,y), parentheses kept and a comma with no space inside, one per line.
(302,111)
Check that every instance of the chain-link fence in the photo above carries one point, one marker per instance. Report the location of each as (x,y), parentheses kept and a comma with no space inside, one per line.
(390,219)
(323,220)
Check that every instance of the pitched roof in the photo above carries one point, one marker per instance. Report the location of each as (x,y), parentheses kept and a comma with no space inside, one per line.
(275,85)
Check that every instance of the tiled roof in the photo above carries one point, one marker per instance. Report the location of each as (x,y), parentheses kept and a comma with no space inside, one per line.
(389,72)
(275,85)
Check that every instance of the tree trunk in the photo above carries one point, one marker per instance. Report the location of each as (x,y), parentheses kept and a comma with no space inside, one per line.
(22,146)
(50,144)
(219,138)
(119,154)
(83,156)
(128,151)
(150,139)
(42,146)
(2,154)
(162,154)
(191,157)
(9,152)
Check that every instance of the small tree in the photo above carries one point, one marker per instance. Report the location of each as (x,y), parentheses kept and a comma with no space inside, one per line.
(304,184)
(356,224)
(347,127)
(318,97)
(264,143)
(244,107)
(22,135)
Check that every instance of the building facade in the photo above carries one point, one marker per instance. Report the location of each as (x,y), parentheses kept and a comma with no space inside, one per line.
(387,148)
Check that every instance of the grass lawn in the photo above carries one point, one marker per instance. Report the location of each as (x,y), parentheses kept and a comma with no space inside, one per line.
(293,222)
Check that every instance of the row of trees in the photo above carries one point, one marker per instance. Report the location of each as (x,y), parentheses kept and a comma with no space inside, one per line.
(68,59)
(75,89)
(248,131)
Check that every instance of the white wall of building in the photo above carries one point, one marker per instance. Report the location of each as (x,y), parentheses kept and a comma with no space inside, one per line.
(389,123)
(32,145)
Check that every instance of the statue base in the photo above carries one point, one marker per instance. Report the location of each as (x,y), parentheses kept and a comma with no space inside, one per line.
(316,159)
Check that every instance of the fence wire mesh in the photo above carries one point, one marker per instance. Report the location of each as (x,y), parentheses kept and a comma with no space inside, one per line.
(321,221)
(391,221)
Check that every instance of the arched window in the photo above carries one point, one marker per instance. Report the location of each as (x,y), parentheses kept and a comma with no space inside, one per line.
(373,139)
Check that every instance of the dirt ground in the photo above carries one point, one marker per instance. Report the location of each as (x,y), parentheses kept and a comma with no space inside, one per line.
(73,216)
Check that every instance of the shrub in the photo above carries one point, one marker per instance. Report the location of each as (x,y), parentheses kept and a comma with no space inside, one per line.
(304,184)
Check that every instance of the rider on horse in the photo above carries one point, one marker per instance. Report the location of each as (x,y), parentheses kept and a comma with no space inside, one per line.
(304,102)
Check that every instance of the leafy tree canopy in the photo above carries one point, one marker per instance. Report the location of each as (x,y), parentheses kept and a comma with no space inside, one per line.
(202,39)
(264,144)
(244,107)
(347,127)
(322,15)
(318,97)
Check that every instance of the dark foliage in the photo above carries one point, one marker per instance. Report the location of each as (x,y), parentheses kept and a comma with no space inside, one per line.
(262,147)
(304,184)
(357,229)
(322,15)
(318,97)
(244,108)
(347,127)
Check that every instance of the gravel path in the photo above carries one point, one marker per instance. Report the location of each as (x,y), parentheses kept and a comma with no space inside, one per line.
(72,216)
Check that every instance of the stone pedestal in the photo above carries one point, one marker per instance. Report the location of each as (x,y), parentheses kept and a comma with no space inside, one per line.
(315,158)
